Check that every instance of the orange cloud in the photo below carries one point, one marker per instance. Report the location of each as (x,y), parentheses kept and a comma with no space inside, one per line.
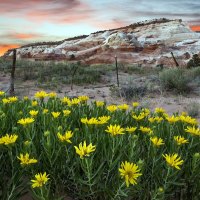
(5,47)
(23,36)
(195,28)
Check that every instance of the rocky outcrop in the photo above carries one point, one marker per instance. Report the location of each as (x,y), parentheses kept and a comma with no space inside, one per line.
(144,43)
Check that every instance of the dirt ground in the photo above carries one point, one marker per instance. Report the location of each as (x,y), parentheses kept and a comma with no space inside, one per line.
(101,91)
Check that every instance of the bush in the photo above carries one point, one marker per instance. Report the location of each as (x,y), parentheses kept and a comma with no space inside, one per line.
(129,92)
(174,79)
(193,109)
(194,62)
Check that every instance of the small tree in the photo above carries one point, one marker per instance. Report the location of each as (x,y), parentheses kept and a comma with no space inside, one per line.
(194,62)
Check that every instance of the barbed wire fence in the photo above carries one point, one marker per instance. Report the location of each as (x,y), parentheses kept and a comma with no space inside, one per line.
(21,77)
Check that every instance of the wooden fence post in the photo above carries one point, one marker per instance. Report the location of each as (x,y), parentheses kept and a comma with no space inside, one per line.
(176,63)
(117,70)
(12,77)
(72,76)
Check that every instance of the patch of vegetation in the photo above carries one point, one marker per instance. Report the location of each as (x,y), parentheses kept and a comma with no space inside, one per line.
(175,79)
(44,72)
(138,69)
(194,62)
(193,109)
(129,92)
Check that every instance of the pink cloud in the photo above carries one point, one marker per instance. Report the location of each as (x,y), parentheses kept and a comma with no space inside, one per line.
(63,11)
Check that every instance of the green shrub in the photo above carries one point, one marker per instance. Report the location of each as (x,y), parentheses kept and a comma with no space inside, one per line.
(194,62)
(174,79)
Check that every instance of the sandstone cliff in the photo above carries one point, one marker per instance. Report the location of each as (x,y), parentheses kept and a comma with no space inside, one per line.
(143,43)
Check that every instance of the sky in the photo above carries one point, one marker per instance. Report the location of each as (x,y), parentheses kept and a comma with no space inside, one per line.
(23,22)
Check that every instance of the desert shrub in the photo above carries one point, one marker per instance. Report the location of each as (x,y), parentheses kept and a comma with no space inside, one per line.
(193,109)
(174,79)
(194,62)
(129,91)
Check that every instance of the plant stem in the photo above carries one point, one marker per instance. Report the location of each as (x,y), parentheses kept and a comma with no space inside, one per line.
(118,190)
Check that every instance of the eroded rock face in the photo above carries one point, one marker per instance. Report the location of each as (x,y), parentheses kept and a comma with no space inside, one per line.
(147,43)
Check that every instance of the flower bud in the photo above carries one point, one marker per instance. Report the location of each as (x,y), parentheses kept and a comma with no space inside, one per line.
(46,133)
(160,189)
(60,128)
(197,155)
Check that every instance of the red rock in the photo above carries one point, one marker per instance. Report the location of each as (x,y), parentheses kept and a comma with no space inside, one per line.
(145,43)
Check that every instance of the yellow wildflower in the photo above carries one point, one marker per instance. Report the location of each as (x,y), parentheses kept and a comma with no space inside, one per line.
(34,103)
(188,119)
(74,101)
(139,117)
(52,95)
(173,160)
(41,94)
(25,160)
(45,111)
(2,93)
(99,103)
(180,140)
(33,113)
(40,180)
(25,121)
(130,172)
(66,137)
(172,119)
(157,119)
(131,129)
(93,120)
(65,100)
(55,114)
(145,129)
(25,98)
(165,115)
(157,141)
(103,119)
(135,104)
(123,107)
(1,140)
(12,99)
(84,120)
(160,110)
(193,130)
(66,112)
(83,150)
(145,112)
(83,98)
(115,130)
(8,139)
(5,101)
(90,121)
(151,120)
(112,108)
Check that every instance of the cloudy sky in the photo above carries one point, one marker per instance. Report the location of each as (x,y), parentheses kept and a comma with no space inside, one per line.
(22,22)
